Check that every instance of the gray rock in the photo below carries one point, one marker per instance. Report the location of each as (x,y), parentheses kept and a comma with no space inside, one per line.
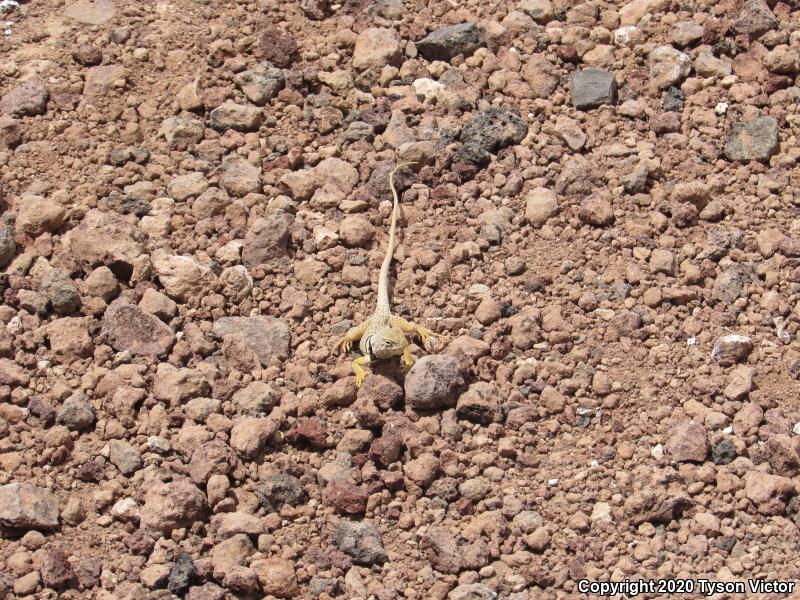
(753,140)
(361,541)
(730,349)
(239,117)
(432,382)
(60,291)
(181,133)
(183,574)
(724,452)
(124,456)
(25,506)
(7,245)
(672,100)
(126,327)
(261,84)
(447,42)
(472,591)
(592,88)
(755,19)
(494,129)
(281,489)
(730,284)
(636,181)
(76,413)
(267,337)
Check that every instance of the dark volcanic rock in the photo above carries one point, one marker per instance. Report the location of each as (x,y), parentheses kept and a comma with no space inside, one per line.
(447,42)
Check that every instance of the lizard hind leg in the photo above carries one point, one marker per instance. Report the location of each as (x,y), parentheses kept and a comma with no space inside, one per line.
(358,370)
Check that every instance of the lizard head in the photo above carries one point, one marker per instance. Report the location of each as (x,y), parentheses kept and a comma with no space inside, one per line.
(390,341)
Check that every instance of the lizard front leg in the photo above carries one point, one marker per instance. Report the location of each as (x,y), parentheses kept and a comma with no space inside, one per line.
(408,327)
(360,373)
(344,344)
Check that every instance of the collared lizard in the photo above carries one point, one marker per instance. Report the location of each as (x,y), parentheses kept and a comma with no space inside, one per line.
(383,335)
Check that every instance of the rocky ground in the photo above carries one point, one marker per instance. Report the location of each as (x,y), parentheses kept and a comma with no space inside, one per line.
(602,225)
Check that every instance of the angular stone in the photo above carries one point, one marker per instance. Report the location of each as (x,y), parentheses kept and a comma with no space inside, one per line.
(441,549)
(182,276)
(281,489)
(100,79)
(249,435)
(27,99)
(268,337)
(38,215)
(25,506)
(124,456)
(432,382)
(7,245)
(77,413)
(345,497)
(361,541)
(592,88)
(447,42)
(90,12)
(755,19)
(181,133)
(753,140)
(540,11)
(260,84)
(376,47)
(541,204)
(688,442)
(493,129)
(126,327)
(668,66)
(277,577)
(174,385)
(105,238)
(730,349)
(239,117)
(240,178)
(472,591)
(655,506)
(278,46)
(182,575)
(266,241)
(168,506)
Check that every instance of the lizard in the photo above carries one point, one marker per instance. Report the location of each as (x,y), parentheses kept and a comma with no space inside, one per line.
(383,335)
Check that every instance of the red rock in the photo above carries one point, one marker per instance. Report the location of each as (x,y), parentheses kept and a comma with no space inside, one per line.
(688,442)
(278,46)
(345,497)
(55,569)
(127,327)
(309,432)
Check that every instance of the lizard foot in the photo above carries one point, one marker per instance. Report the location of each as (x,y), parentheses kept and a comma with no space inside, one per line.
(342,346)
(358,370)
(424,333)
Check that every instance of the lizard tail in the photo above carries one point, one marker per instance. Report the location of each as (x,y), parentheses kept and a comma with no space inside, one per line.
(383,278)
